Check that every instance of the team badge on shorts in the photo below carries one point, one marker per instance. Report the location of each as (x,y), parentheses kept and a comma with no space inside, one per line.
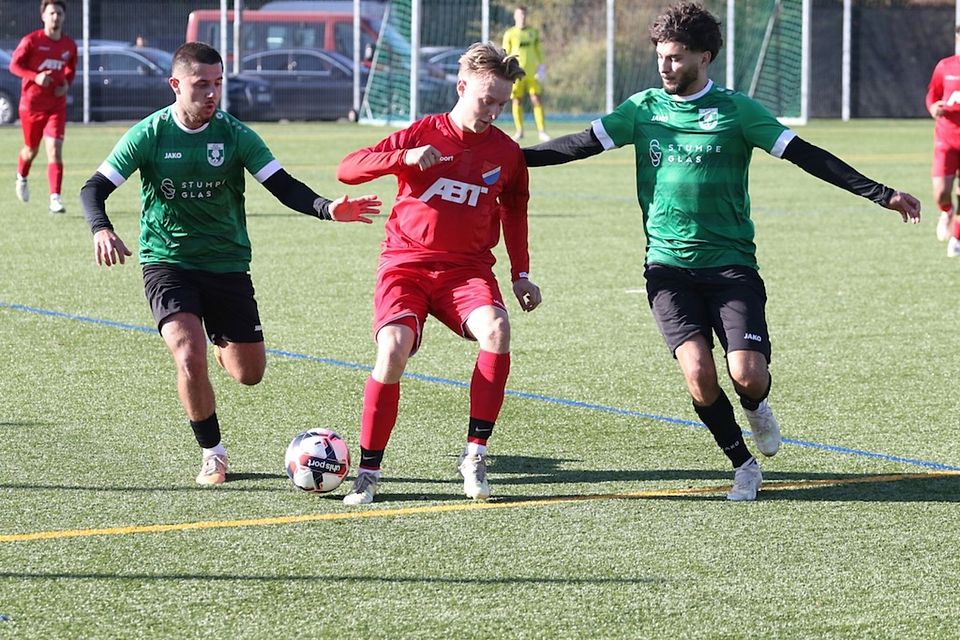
(215,153)
(490,173)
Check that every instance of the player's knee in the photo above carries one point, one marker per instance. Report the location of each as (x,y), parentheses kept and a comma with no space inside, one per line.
(494,335)
(191,361)
(703,388)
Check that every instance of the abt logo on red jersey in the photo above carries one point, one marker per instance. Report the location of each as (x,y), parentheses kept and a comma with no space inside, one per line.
(454,191)
(52,64)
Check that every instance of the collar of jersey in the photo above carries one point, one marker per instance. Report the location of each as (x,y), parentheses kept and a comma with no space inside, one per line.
(697,95)
(183,127)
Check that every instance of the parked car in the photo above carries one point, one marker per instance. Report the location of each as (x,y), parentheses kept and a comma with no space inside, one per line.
(130,83)
(307,84)
(442,62)
(9,90)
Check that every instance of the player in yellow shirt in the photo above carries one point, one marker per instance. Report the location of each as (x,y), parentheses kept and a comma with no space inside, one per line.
(524,42)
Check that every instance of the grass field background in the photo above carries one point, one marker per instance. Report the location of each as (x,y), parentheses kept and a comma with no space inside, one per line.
(608,520)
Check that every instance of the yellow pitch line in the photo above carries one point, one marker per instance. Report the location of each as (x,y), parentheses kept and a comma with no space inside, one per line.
(469,506)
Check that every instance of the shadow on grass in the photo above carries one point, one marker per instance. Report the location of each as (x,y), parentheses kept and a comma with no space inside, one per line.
(328,578)
(511,473)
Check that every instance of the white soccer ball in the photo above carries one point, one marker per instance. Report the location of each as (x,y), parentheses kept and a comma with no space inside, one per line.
(317,460)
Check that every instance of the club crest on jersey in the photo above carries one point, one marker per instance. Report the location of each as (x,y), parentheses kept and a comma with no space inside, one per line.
(215,153)
(709,119)
(490,173)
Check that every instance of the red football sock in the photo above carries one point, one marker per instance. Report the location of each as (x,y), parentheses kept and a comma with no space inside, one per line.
(23,166)
(380,405)
(55,176)
(945,208)
(956,229)
(488,384)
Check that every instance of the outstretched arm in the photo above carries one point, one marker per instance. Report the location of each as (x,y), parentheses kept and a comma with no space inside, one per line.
(299,197)
(574,146)
(829,168)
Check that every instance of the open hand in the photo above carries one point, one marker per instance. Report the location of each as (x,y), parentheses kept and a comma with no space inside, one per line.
(345,209)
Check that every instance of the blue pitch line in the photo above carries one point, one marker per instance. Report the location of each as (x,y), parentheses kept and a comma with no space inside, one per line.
(588,406)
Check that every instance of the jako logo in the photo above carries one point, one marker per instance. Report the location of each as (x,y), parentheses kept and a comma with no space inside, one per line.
(454,191)
(172,155)
(752,336)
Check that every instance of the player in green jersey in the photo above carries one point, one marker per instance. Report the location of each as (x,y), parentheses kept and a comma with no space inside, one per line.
(693,142)
(194,246)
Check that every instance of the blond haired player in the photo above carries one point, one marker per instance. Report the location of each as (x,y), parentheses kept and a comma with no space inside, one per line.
(460,181)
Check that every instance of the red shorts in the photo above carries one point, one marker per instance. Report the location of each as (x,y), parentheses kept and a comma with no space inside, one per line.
(946,159)
(37,124)
(408,293)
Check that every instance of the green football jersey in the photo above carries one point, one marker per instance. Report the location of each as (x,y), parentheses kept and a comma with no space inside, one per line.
(693,163)
(191,187)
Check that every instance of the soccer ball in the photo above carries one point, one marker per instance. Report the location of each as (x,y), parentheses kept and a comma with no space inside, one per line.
(317,460)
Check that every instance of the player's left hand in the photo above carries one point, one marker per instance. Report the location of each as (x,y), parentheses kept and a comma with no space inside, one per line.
(906,205)
(528,294)
(345,209)
(541,73)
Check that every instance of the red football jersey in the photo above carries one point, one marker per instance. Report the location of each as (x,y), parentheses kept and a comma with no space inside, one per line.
(35,53)
(945,85)
(451,213)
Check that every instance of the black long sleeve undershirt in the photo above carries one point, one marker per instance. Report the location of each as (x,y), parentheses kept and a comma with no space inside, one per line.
(575,146)
(287,189)
(822,164)
(818,162)
(93,197)
(298,196)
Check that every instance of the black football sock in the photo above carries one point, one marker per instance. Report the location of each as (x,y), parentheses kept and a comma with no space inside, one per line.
(749,403)
(371,459)
(207,432)
(720,421)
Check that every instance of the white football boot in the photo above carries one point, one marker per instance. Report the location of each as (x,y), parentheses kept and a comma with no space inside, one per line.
(766,430)
(953,247)
(944,225)
(23,190)
(472,467)
(56,204)
(364,488)
(746,482)
(213,471)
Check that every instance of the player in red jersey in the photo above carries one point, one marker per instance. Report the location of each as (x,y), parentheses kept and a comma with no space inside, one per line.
(46,60)
(460,178)
(943,103)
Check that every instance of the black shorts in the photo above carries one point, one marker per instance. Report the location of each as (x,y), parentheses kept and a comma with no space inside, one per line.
(728,301)
(223,301)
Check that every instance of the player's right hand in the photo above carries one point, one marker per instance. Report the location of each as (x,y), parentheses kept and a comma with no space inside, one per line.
(937,108)
(423,157)
(108,248)
(42,78)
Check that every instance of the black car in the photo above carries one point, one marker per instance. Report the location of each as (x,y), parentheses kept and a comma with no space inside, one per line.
(307,84)
(9,90)
(130,83)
